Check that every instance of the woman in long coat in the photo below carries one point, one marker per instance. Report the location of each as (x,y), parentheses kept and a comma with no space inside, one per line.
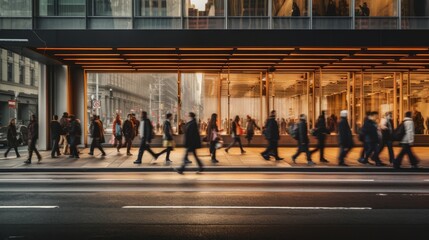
(12,141)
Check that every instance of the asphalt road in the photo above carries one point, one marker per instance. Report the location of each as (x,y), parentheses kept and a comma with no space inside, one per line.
(214,206)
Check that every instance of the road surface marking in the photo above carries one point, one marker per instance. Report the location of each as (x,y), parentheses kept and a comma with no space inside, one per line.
(19,207)
(26,179)
(246,207)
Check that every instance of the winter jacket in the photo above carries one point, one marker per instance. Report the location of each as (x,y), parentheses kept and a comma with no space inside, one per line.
(55,129)
(128,129)
(409,131)
(370,130)
(386,127)
(345,138)
(322,130)
(75,132)
(168,131)
(303,132)
(147,130)
(192,135)
(272,129)
(11,136)
(33,131)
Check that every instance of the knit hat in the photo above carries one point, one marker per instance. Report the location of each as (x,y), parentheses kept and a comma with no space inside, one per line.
(343,113)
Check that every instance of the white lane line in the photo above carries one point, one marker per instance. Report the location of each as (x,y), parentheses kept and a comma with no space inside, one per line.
(247,207)
(292,180)
(119,179)
(26,179)
(27,207)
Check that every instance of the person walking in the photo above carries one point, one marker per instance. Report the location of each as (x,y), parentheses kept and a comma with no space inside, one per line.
(167,138)
(147,136)
(192,143)
(236,132)
(371,139)
(386,127)
(345,138)
(117,132)
(33,135)
(303,140)
(55,136)
(97,134)
(12,138)
(362,136)
(75,134)
(406,144)
(213,136)
(65,125)
(136,124)
(296,12)
(271,132)
(250,129)
(128,131)
(321,132)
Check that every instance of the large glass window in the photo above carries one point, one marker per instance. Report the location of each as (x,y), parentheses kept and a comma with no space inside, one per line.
(110,14)
(62,7)
(21,75)
(415,14)
(203,14)
(419,102)
(376,14)
(158,8)
(248,14)
(289,14)
(10,72)
(332,14)
(15,8)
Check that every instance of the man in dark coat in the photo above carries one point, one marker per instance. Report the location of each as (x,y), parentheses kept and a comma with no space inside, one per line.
(303,140)
(371,140)
(97,134)
(345,138)
(147,136)
(33,135)
(12,141)
(56,131)
(75,133)
(192,143)
(321,132)
(129,132)
(271,132)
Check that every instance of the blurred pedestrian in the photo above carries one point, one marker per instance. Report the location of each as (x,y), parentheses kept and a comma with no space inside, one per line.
(117,132)
(65,125)
(407,143)
(236,132)
(271,132)
(97,134)
(371,139)
(213,136)
(12,138)
(147,136)
(167,138)
(320,133)
(296,12)
(303,140)
(75,134)
(192,143)
(136,124)
(129,131)
(55,136)
(386,128)
(33,135)
(250,129)
(345,138)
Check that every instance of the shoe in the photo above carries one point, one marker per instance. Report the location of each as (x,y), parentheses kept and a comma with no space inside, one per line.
(90,153)
(266,157)
(243,152)
(363,161)
(279,158)
(137,162)
(324,160)
(129,154)
(103,154)
(294,160)
(28,161)
(5,155)
(18,156)
(215,161)
(380,164)
(39,159)
(117,150)
(168,161)
(188,162)
(76,157)
(343,164)
(200,170)
(310,163)
(226,150)
(179,171)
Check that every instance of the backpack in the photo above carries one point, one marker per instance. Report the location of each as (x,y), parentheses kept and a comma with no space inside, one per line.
(118,131)
(399,132)
(294,131)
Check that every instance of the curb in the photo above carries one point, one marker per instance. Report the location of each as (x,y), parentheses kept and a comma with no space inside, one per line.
(226,169)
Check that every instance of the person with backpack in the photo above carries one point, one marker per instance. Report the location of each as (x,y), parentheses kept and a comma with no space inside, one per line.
(271,132)
(117,132)
(386,127)
(147,136)
(97,134)
(236,132)
(320,133)
(345,138)
(406,143)
(303,140)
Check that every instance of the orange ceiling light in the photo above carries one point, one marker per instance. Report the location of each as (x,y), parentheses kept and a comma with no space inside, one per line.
(320,54)
(368,59)
(101,63)
(266,49)
(259,54)
(357,63)
(408,63)
(422,54)
(394,66)
(148,54)
(204,54)
(380,55)
(110,69)
(146,49)
(310,59)
(75,49)
(92,59)
(206,49)
(87,54)
(397,49)
(114,66)
(255,59)
(330,49)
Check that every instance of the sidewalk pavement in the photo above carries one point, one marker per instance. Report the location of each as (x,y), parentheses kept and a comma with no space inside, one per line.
(232,161)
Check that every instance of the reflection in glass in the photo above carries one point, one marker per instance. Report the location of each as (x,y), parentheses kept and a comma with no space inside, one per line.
(331,8)
(159,8)
(419,102)
(204,8)
(15,8)
(284,8)
(62,7)
(385,8)
(415,8)
(115,8)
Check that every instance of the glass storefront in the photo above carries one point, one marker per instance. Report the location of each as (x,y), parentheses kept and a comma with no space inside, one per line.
(110,14)
(19,89)
(248,14)
(204,14)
